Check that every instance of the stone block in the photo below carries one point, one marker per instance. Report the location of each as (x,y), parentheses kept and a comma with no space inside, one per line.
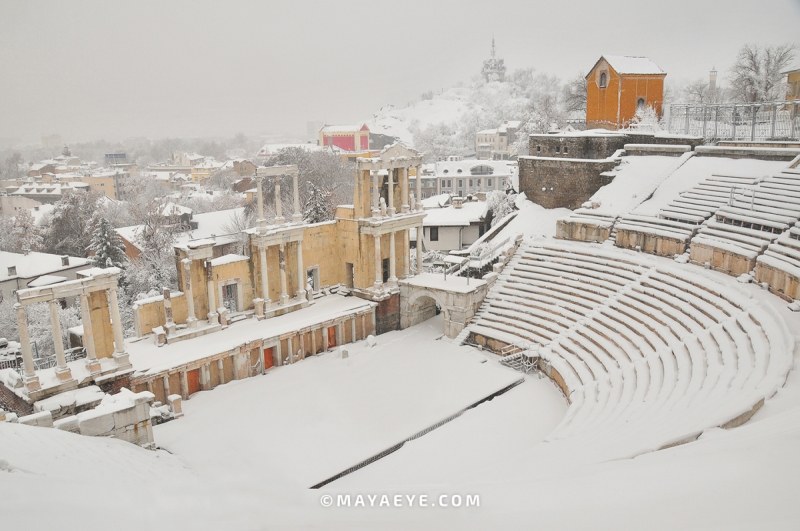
(67,424)
(96,423)
(43,419)
(175,404)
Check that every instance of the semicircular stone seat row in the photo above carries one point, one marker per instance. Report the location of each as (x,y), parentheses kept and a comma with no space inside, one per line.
(645,351)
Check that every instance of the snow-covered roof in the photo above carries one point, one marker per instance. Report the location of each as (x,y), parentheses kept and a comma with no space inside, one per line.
(174,209)
(436,201)
(630,64)
(211,225)
(46,280)
(334,129)
(36,264)
(464,168)
(470,212)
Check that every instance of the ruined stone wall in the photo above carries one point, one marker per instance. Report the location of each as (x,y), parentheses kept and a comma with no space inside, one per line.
(555,183)
(575,147)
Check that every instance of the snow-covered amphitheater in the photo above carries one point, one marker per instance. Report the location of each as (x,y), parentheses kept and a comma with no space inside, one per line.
(636,382)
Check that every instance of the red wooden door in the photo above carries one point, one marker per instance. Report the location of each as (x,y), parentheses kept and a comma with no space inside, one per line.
(267,358)
(331,336)
(193,379)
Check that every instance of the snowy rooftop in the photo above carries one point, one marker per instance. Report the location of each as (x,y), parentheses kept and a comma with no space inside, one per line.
(473,168)
(219,225)
(629,64)
(470,212)
(334,129)
(35,264)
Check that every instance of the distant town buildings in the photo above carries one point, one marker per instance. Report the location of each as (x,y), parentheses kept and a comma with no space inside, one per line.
(465,177)
(619,85)
(497,143)
(27,270)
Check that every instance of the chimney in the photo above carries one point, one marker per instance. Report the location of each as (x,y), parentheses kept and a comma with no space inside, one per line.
(65,260)
(458,202)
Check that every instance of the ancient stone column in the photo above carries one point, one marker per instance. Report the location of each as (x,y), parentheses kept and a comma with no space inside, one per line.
(406,253)
(191,321)
(261,221)
(301,272)
(262,255)
(420,237)
(404,189)
(28,369)
(282,259)
(297,216)
(418,186)
(378,263)
(62,371)
(278,206)
(116,325)
(213,316)
(392,258)
(376,209)
(88,335)
(391,210)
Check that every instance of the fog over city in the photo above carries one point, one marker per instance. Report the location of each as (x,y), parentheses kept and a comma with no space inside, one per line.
(95,69)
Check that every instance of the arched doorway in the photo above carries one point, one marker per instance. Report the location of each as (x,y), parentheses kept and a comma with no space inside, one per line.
(420,307)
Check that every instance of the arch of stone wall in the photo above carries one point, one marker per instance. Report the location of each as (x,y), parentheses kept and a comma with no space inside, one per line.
(410,318)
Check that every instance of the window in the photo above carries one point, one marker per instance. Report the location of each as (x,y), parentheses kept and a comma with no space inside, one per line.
(558,149)
(433,233)
(461,183)
(565,150)
(538,149)
(470,183)
(385,265)
(12,271)
(489,182)
(603,80)
(481,170)
(640,104)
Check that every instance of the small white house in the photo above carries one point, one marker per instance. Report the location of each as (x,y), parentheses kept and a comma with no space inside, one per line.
(454,227)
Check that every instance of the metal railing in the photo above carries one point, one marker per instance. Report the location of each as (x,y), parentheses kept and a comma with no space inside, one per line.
(779,120)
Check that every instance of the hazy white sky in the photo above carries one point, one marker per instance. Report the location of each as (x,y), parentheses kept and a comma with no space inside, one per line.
(112,69)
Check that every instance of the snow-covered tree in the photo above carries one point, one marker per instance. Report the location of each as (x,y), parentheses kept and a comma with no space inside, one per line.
(318,206)
(68,229)
(106,245)
(39,327)
(325,170)
(756,76)
(646,119)
(500,204)
(20,233)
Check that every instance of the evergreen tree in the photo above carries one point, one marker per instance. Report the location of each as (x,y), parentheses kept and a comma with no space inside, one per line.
(69,230)
(318,205)
(106,245)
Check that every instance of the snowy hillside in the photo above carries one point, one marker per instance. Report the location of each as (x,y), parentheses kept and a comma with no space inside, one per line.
(447,107)
(446,123)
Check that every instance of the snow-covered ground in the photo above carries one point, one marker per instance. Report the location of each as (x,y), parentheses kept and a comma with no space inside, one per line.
(245,453)
(316,418)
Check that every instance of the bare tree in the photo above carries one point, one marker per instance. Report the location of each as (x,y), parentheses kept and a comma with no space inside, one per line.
(756,75)
(575,94)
